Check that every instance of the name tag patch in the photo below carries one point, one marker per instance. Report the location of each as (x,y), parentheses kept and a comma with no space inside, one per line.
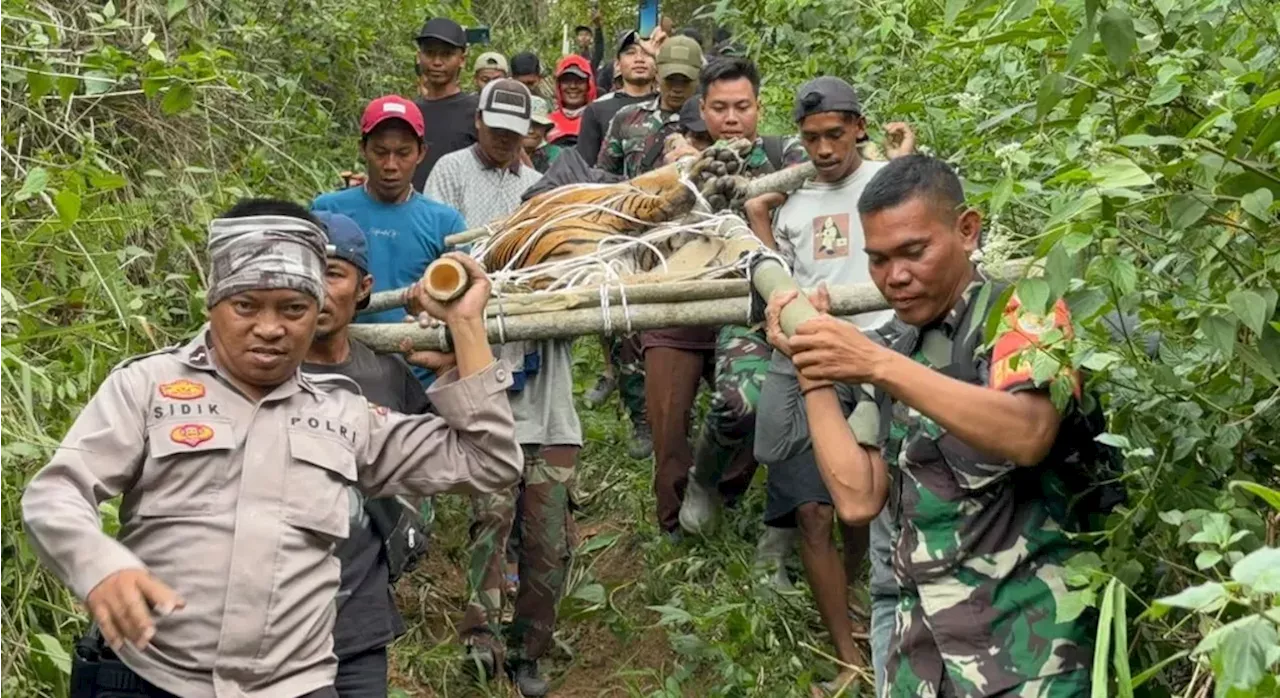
(325,425)
(191,435)
(182,389)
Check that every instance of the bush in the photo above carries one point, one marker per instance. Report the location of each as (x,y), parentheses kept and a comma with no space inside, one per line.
(1132,148)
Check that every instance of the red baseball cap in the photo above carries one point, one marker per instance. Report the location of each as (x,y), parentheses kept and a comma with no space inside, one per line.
(392,107)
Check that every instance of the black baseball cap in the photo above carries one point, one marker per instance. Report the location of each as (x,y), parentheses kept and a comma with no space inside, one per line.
(691,117)
(443,29)
(625,39)
(824,94)
(525,63)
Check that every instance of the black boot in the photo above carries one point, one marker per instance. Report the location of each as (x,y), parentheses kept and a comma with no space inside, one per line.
(529,682)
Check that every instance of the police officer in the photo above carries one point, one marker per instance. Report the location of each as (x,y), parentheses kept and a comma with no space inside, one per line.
(235,470)
(979,450)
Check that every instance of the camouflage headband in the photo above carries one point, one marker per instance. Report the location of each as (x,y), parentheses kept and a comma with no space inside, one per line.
(265,252)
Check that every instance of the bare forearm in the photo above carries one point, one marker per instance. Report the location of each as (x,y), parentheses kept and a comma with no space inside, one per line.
(1018,427)
(856,478)
(761,224)
(470,346)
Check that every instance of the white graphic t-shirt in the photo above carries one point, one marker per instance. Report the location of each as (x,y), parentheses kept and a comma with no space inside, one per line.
(819,231)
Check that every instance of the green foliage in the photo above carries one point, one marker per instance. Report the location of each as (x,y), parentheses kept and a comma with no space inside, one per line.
(126,126)
(1132,147)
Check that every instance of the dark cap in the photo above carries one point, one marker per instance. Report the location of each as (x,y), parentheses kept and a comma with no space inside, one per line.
(525,63)
(625,40)
(825,94)
(691,117)
(346,242)
(445,30)
(581,28)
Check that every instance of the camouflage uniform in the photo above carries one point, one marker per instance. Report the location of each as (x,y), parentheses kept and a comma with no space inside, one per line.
(543,500)
(633,131)
(742,360)
(627,358)
(981,551)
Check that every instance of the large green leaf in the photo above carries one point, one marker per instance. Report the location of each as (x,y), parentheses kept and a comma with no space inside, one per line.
(953,10)
(67,203)
(1120,173)
(1050,93)
(1164,93)
(178,98)
(1185,211)
(1207,597)
(1221,333)
(1249,307)
(1259,571)
(1267,494)
(1115,28)
(1258,203)
(1243,655)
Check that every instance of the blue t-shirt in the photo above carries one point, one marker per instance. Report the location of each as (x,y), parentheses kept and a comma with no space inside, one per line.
(403,238)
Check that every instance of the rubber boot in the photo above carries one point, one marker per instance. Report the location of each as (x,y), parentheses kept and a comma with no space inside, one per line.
(641,441)
(773,549)
(529,683)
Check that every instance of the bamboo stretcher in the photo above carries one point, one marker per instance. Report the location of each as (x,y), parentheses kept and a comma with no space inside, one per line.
(663,268)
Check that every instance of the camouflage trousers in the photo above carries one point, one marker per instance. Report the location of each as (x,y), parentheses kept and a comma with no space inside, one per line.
(725,443)
(723,451)
(542,502)
(916,668)
(628,361)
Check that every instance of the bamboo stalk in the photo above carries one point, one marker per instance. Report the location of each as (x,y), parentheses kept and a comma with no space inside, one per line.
(446,279)
(525,303)
(768,276)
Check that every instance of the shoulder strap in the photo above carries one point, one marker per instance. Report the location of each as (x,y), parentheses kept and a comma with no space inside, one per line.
(773,151)
(652,155)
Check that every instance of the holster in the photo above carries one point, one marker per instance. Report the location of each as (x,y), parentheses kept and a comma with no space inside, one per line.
(97,673)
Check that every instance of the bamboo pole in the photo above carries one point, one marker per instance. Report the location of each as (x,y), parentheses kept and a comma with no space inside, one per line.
(769,275)
(532,323)
(446,279)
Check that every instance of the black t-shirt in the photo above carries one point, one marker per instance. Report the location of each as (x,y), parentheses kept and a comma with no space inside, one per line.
(451,125)
(367,614)
(595,122)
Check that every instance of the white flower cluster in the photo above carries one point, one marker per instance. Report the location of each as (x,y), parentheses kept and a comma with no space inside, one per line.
(997,245)
(968,100)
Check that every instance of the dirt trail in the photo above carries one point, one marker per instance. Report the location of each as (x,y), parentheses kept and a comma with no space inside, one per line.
(607,660)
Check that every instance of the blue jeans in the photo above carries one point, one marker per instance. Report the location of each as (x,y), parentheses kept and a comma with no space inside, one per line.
(883,609)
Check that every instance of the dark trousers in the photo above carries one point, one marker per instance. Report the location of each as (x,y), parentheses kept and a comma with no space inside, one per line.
(110,678)
(363,675)
(669,397)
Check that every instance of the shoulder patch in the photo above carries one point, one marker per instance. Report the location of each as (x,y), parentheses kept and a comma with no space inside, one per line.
(140,357)
(182,389)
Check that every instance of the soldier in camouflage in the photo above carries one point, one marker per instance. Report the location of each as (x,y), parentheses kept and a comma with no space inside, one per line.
(977,488)
(723,462)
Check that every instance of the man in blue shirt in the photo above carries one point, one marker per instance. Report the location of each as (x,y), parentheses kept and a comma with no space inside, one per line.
(405,229)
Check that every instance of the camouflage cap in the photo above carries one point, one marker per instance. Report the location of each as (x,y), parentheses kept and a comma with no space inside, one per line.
(265,252)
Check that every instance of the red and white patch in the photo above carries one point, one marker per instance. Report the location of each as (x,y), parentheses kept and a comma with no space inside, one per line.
(182,389)
(191,435)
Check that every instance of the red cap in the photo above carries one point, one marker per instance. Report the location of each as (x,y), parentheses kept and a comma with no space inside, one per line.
(392,107)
